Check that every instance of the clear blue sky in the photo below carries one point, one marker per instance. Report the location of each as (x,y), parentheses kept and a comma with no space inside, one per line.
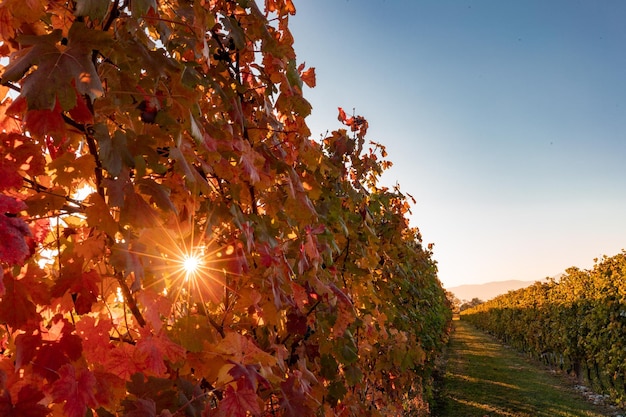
(506,120)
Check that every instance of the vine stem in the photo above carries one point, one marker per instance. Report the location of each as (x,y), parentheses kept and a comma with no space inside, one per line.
(130,300)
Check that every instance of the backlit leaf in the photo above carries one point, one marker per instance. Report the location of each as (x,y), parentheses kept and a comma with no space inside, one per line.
(240,402)
(14,232)
(27,405)
(75,387)
(98,215)
(16,307)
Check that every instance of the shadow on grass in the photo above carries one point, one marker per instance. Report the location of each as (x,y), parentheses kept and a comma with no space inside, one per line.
(485,379)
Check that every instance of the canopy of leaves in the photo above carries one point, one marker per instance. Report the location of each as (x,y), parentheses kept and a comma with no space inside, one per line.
(141,134)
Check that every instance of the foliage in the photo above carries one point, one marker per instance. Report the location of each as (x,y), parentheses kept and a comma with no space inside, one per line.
(470,304)
(148,137)
(576,323)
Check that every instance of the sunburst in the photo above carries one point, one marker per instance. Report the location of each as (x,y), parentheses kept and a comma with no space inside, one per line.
(189,265)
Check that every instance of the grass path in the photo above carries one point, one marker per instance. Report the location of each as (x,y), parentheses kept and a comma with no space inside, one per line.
(483,378)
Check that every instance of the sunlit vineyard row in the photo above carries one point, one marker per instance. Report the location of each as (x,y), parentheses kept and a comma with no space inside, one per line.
(576,323)
(173,240)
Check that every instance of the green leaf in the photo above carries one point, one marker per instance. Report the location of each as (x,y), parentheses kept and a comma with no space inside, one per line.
(348,353)
(159,193)
(336,391)
(236,32)
(139,8)
(113,153)
(329,367)
(95,9)
(59,73)
(353,375)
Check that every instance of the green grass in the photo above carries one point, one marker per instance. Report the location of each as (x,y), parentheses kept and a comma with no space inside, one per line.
(483,378)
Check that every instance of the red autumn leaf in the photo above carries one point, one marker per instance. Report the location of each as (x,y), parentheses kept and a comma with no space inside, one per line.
(27,404)
(61,332)
(124,360)
(109,388)
(77,388)
(248,161)
(16,307)
(239,403)
(60,347)
(156,306)
(26,347)
(42,123)
(81,113)
(9,175)
(27,154)
(83,285)
(248,376)
(40,229)
(14,232)
(137,211)
(293,401)
(155,350)
(95,338)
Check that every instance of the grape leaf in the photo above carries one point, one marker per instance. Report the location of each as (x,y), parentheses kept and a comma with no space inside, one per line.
(99,215)
(14,232)
(68,169)
(154,350)
(124,361)
(41,204)
(77,388)
(95,338)
(57,69)
(293,401)
(160,195)
(16,307)
(239,403)
(308,77)
(114,152)
(61,347)
(141,408)
(95,9)
(83,285)
(9,175)
(26,347)
(27,405)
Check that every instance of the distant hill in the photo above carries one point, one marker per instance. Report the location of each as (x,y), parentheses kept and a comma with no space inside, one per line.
(487,291)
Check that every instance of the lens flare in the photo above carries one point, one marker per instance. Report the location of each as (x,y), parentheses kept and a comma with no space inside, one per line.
(191,264)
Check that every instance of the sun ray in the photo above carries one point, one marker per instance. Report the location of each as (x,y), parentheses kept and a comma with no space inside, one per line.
(188,264)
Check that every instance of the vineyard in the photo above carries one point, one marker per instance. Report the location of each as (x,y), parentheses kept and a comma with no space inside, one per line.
(173,242)
(576,323)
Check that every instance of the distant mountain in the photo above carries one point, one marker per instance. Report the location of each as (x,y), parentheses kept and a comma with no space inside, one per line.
(487,291)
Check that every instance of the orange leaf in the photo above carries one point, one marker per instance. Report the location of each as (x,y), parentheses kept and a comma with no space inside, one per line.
(98,215)
(308,77)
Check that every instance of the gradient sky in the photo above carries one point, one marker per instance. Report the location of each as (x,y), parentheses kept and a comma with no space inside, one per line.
(506,120)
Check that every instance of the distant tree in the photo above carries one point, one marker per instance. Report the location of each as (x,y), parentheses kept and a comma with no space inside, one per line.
(472,303)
